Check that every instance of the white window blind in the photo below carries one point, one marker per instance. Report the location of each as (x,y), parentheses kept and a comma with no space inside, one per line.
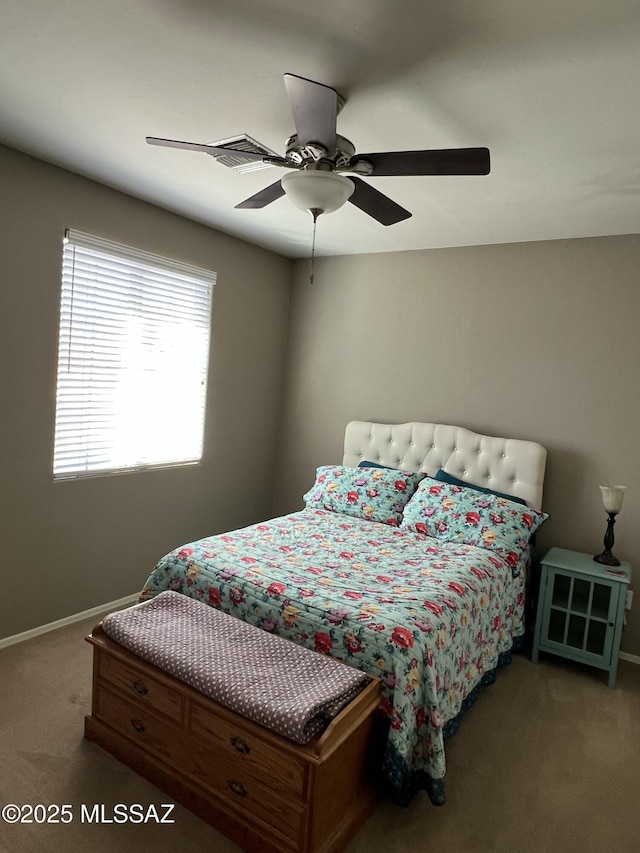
(132,359)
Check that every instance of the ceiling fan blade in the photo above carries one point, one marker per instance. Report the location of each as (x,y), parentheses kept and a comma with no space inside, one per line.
(447,161)
(315,108)
(376,204)
(262,198)
(207,149)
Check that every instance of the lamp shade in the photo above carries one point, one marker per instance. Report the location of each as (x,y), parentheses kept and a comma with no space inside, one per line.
(612,497)
(313,189)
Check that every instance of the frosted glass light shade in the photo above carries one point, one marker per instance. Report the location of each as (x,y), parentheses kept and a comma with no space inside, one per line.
(312,189)
(612,497)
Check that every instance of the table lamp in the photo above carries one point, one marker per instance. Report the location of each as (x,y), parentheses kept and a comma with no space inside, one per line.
(612,499)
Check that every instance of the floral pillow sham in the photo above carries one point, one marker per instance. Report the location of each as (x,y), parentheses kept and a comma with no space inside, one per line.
(444,477)
(375,494)
(457,514)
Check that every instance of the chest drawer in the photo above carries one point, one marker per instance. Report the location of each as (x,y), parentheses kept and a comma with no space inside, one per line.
(236,783)
(140,725)
(142,687)
(275,769)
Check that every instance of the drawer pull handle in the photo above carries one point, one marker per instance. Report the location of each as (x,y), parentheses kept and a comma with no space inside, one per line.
(240,745)
(138,725)
(237,787)
(140,687)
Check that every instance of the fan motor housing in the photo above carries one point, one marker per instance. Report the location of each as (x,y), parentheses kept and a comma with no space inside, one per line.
(303,155)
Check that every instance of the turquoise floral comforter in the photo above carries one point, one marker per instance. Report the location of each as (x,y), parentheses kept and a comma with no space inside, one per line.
(433,619)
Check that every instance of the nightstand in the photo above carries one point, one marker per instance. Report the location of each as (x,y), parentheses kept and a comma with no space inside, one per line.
(581,609)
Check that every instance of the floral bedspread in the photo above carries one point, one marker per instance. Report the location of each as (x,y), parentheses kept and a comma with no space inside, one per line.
(433,619)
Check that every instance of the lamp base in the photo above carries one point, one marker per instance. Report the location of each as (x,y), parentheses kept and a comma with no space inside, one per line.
(607,559)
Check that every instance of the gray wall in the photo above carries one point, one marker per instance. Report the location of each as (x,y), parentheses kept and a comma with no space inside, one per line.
(69,546)
(535,340)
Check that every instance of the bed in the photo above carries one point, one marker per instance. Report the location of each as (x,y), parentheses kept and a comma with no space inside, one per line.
(409,562)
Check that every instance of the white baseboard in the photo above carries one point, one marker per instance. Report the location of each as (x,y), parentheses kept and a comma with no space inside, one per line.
(68,620)
(632,658)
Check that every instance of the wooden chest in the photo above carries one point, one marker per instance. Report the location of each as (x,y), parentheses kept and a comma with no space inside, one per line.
(263,791)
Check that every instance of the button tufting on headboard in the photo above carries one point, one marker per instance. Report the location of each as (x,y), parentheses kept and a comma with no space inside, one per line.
(512,466)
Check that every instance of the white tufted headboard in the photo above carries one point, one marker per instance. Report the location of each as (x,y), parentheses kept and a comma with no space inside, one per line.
(507,465)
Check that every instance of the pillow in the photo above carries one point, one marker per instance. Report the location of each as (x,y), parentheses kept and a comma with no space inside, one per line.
(443,477)
(376,494)
(366,464)
(459,514)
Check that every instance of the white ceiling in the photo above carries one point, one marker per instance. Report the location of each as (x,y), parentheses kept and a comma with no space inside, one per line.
(551,87)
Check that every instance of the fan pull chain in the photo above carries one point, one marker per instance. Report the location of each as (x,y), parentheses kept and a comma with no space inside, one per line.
(315,212)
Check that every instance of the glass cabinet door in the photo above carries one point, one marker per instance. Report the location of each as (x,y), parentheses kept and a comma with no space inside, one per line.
(579,614)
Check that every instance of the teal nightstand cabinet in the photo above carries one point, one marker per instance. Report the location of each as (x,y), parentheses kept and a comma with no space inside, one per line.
(581,609)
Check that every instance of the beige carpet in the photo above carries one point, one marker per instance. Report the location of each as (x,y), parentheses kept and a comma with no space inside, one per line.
(548,760)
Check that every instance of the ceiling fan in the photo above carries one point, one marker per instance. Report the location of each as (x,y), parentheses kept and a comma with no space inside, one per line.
(325,167)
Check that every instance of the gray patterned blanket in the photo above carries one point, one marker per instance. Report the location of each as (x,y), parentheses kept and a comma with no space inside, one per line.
(292,690)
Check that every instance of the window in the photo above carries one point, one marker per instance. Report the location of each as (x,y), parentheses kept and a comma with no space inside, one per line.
(132,359)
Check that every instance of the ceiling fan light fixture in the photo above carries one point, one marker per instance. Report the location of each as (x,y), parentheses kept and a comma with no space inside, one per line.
(316,190)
